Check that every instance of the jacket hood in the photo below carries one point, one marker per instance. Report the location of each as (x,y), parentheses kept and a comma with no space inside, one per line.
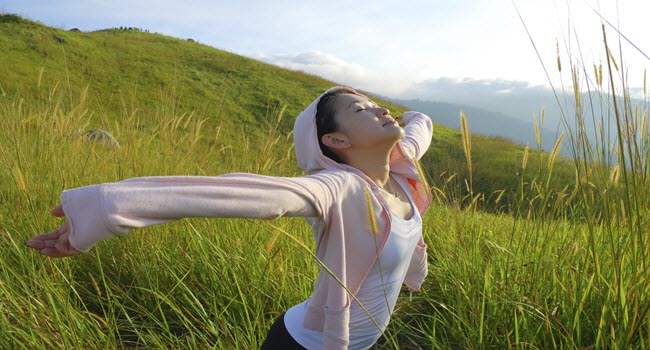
(305,139)
(312,160)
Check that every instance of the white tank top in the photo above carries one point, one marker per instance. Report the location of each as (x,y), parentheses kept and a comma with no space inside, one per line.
(378,292)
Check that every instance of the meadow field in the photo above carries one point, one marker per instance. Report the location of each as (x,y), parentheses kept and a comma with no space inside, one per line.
(541,253)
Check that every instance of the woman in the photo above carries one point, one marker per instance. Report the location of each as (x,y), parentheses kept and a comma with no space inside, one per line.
(362,196)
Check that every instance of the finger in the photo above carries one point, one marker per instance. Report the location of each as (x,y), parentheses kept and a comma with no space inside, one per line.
(58,211)
(36,244)
(61,250)
(47,236)
(39,242)
(45,240)
(53,252)
(52,234)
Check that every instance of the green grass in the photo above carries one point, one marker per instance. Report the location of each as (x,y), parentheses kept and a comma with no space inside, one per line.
(562,267)
(151,76)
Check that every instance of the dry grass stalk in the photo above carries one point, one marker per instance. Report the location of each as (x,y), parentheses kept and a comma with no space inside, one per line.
(556,149)
(557,53)
(467,146)
(525,160)
(371,213)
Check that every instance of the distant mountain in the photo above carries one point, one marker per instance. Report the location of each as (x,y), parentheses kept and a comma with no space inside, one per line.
(510,114)
(483,122)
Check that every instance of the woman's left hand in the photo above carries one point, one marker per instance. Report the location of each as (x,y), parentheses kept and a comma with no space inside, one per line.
(55,243)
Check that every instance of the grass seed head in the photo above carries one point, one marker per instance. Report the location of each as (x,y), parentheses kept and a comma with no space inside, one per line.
(371,213)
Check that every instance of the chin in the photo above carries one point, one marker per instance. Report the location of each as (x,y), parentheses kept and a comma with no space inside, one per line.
(396,138)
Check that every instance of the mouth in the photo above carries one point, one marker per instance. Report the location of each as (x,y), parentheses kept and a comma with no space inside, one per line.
(389,121)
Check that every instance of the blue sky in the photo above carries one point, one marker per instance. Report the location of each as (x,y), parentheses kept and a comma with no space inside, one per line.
(389,47)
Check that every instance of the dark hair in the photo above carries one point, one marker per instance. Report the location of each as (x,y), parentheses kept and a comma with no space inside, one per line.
(325,122)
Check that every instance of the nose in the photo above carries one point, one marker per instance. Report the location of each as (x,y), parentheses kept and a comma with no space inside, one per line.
(382,111)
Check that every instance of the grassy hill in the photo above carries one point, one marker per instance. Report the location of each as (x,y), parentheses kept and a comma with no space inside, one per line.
(127,68)
(129,76)
(567,270)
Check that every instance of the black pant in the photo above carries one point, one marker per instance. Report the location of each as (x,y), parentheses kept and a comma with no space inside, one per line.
(279,338)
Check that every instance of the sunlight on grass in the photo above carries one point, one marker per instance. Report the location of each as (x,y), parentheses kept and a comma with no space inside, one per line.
(542,264)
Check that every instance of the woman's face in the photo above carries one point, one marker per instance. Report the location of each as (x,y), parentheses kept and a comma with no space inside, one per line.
(363,123)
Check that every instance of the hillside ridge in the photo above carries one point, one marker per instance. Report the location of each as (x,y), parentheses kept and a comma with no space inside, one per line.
(135,72)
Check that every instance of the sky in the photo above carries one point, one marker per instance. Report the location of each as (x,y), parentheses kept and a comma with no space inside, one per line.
(405,49)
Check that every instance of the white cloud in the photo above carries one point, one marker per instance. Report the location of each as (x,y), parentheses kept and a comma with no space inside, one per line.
(319,63)
(333,68)
(452,89)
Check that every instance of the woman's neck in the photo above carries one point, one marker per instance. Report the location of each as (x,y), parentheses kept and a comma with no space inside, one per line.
(372,163)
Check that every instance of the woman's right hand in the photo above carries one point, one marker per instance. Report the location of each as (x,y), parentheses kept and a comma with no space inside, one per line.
(56,243)
(400,120)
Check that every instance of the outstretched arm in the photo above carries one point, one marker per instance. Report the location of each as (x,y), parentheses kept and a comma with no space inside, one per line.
(102,211)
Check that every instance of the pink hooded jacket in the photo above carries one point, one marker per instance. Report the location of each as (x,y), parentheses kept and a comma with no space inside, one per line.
(333,198)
